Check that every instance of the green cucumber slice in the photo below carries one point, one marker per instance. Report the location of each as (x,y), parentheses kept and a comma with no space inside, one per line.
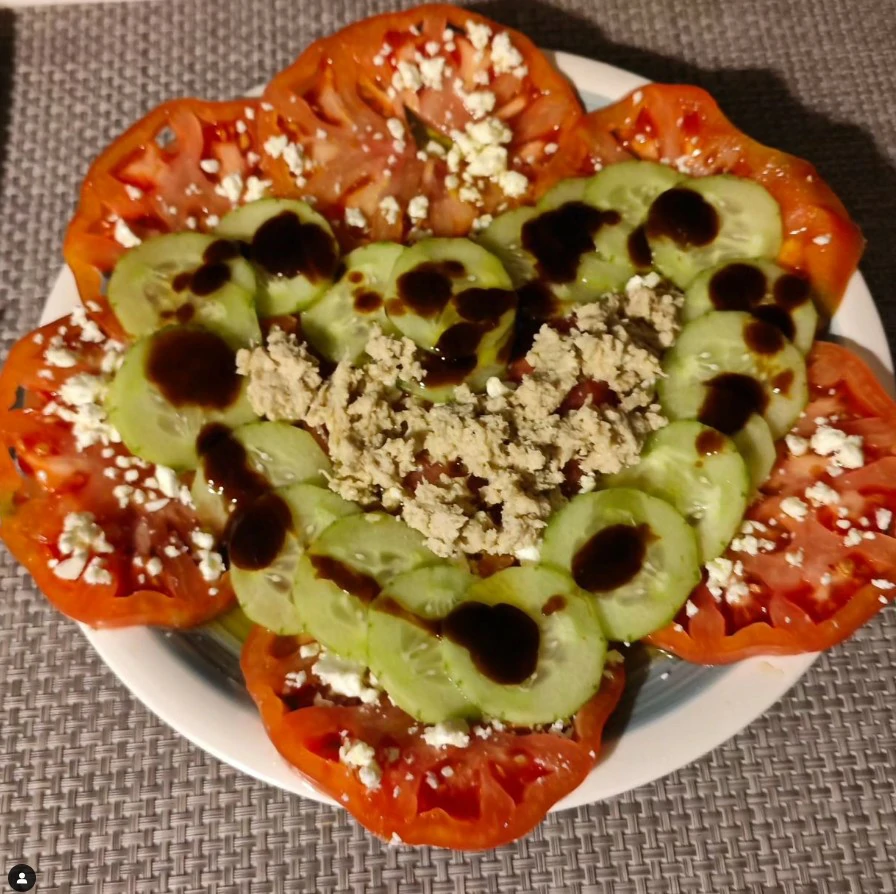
(709,220)
(450,267)
(455,300)
(363,553)
(150,425)
(181,278)
(630,187)
(766,290)
(563,644)
(265,594)
(503,238)
(292,248)
(700,472)
(634,553)
(727,365)
(405,649)
(757,447)
(339,324)
(280,452)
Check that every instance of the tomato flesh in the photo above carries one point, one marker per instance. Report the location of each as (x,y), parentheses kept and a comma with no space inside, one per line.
(480,796)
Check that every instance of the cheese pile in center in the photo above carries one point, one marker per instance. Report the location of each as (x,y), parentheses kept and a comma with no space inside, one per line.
(509,449)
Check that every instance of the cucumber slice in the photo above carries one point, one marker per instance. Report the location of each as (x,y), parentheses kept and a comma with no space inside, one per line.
(757,447)
(455,300)
(766,290)
(700,472)
(531,621)
(630,187)
(265,594)
(340,323)
(292,248)
(154,428)
(727,365)
(710,220)
(570,190)
(344,570)
(405,648)
(181,278)
(503,238)
(430,291)
(280,452)
(633,552)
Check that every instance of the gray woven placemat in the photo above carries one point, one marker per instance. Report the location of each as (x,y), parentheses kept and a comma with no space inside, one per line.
(98,795)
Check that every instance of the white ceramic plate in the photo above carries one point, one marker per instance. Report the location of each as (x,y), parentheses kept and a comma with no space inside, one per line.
(690,710)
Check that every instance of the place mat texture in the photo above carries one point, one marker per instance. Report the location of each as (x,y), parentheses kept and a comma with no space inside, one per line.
(98,795)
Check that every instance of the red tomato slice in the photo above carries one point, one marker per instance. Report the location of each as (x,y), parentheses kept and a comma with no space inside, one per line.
(363,105)
(149,181)
(481,796)
(140,578)
(683,126)
(814,580)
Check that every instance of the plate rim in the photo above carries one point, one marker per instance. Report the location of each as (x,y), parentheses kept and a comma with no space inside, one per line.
(204,711)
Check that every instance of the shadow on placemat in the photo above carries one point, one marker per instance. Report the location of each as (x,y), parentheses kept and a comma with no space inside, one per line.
(759,102)
(7,31)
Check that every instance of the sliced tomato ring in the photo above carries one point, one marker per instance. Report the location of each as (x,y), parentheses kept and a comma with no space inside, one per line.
(825,559)
(488,793)
(370,114)
(144,566)
(683,126)
(181,167)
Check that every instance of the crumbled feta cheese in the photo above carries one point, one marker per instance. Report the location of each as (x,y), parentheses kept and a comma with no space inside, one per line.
(210,165)
(354,217)
(407,76)
(167,481)
(513,184)
(690,609)
(275,146)
(821,494)
(309,650)
(505,56)
(344,678)
(124,235)
(154,566)
(231,187)
(431,72)
(256,189)
(358,754)
(823,239)
(211,565)
(853,538)
(418,208)
(81,536)
(846,450)
(134,193)
(295,679)
(96,574)
(59,356)
(882,584)
(795,558)
(550,148)
(479,35)
(395,128)
(794,507)
(479,103)
(452,733)
(883,518)
(528,554)
(796,445)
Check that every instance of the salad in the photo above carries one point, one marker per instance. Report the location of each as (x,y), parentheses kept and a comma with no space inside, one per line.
(447,392)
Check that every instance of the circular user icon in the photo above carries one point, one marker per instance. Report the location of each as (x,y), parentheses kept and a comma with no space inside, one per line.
(22,877)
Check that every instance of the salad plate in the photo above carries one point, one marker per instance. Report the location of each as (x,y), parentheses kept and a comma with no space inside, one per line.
(191,681)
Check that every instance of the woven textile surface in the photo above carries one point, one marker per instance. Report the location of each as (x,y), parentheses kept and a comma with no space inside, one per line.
(98,795)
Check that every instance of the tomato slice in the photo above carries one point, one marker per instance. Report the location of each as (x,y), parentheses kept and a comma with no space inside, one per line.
(823,566)
(178,168)
(683,126)
(486,794)
(371,112)
(144,558)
